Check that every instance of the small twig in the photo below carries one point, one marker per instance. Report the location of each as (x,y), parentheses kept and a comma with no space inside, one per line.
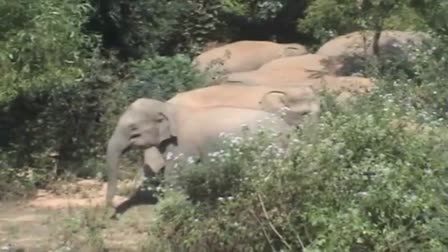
(405,240)
(296,233)
(270,223)
(264,231)
(307,234)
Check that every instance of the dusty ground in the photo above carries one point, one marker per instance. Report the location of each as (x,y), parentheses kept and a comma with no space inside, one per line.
(72,218)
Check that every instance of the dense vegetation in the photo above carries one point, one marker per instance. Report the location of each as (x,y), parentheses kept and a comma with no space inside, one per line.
(369,178)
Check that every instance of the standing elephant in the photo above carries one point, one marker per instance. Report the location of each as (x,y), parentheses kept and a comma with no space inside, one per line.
(246,55)
(299,101)
(170,128)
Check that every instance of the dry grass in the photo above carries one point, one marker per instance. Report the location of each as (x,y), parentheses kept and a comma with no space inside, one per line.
(73,219)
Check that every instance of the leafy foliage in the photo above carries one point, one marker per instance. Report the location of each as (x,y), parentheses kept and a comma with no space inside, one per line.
(44,48)
(369,177)
(255,9)
(434,13)
(138,29)
(364,183)
(329,18)
(162,77)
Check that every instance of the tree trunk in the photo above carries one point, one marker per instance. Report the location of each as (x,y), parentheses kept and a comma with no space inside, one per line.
(376,41)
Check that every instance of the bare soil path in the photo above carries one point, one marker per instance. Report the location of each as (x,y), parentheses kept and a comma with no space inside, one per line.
(72,220)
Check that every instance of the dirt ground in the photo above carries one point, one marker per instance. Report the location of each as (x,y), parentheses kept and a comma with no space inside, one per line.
(72,218)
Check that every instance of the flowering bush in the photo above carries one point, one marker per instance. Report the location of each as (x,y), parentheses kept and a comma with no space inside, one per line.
(367,177)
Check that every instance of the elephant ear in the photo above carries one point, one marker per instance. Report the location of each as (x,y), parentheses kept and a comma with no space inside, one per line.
(296,108)
(167,126)
(273,101)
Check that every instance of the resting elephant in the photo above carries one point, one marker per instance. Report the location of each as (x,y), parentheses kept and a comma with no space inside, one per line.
(299,100)
(290,69)
(279,75)
(246,55)
(307,62)
(171,128)
(272,76)
(357,43)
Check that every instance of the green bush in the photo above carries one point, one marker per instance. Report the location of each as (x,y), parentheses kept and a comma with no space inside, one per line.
(162,77)
(143,28)
(326,19)
(45,51)
(48,105)
(370,177)
(362,181)
(434,14)
(418,78)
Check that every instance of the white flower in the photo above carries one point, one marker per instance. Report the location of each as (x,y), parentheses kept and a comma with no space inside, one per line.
(190,160)
(236,140)
(428,172)
(214,154)
(178,156)
(169,155)
(363,194)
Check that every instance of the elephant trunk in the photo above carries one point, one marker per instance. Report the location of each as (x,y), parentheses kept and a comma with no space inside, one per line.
(118,144)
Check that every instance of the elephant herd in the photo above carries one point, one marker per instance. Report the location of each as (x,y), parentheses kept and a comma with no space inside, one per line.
(265,85)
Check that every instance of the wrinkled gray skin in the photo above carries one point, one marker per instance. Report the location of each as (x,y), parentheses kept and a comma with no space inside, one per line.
(151,123)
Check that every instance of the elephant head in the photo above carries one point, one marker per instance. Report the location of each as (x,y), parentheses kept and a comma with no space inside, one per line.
(297,101)
(145,124)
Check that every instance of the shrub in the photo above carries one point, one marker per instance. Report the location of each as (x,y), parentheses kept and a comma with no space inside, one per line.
(140,29)
(162,77)
(369,177)
(42,49)
(47,102)
(418,78)
(326,19)
(361,182)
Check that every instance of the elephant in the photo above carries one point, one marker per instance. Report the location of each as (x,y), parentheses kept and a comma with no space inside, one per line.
(307,62)
(358,43)
(245,55)
(290,69)
(299,100)
(272,77)
(171,128)
(309,70)
(345,85)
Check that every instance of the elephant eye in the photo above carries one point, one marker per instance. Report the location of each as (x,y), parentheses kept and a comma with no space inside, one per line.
(160,117)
